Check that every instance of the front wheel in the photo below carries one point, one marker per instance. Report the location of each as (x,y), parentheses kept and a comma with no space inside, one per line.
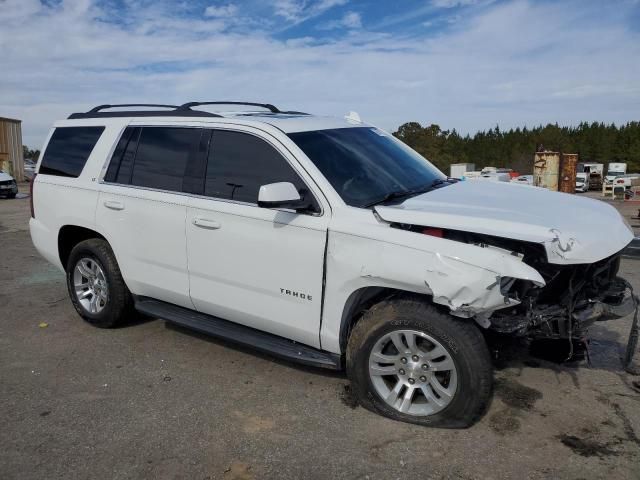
(408,361)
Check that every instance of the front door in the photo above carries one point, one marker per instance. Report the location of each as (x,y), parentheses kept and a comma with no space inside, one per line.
(259,267)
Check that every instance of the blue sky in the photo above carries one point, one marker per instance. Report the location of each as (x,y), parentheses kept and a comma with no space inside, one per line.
(464,64)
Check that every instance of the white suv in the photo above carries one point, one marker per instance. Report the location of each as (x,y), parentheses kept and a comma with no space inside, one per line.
(322,240)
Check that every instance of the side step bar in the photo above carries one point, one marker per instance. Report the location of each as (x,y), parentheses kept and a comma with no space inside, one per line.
(233,332)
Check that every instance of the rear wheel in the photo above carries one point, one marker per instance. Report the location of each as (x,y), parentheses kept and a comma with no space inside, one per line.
(410,362)
(95,284)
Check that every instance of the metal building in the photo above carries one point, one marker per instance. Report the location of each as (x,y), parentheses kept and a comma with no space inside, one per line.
(11,159)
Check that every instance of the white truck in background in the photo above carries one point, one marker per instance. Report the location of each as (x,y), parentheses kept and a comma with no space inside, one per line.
(615,170)
(595,171)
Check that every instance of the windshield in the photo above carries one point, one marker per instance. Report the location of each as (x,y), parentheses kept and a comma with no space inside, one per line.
(364,164)
(615,174)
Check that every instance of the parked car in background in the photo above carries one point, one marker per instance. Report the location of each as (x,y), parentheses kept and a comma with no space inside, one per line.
(582,182)
(625,180)
(29,168)
(8,185)
(523,180)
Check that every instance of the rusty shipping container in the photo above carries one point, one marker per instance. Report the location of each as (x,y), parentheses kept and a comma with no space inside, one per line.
(546,167)
(568,168)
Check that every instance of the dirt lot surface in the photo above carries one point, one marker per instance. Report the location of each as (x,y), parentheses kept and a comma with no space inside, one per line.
(151,401)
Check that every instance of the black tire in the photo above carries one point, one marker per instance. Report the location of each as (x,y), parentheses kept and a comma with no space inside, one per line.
(119,305)
(12,195)
(460,337)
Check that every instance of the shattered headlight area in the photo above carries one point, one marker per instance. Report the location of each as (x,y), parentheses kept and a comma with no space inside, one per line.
(573,298)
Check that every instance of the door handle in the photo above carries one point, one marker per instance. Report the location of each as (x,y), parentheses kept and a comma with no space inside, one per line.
(206,223)
(114,205)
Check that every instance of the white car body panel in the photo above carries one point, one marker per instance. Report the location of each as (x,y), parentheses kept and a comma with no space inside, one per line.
(514,211)
(257,266)
(463,277)
(146,230)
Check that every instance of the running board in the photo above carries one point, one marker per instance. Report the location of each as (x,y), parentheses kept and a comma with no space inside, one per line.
(236,333)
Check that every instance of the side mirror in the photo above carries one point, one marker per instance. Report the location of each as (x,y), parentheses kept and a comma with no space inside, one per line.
(279,195)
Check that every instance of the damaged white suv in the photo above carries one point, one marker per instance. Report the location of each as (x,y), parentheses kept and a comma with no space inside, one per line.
(322,240)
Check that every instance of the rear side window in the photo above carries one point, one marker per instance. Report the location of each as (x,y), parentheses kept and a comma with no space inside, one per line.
(240,163)
(68,150)
(162,156)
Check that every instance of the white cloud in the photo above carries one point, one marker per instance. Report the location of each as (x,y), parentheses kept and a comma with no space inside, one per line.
(297,11)
(453,3)
(350,20)
(221,11)
(516,63)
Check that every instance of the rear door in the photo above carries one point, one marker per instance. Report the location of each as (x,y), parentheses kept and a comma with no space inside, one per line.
(256,266)
(142,208)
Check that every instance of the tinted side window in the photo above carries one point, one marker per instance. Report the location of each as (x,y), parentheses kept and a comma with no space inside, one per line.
(162,156)
(123,173)
(240,163)
(68,150)
(122,159)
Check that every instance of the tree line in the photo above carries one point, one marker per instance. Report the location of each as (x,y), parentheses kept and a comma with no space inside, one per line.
(593,142)
(27,153)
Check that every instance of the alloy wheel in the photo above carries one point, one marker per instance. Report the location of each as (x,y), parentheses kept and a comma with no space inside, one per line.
(413,372)
(90,284)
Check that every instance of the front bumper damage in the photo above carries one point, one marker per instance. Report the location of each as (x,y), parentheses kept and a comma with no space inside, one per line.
(558,321)
(573,299)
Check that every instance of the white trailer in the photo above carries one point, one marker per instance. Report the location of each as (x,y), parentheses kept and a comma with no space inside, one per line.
(458,170)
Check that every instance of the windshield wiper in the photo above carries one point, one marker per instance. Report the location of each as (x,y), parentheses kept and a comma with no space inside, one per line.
(388,197)
(395,195)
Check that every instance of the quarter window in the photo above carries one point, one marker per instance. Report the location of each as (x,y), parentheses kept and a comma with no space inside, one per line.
(68,150)
(239,163)
(119,170)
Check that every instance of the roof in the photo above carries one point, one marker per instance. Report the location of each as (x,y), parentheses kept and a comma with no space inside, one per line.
(287,121)
(7,119)
(291,123)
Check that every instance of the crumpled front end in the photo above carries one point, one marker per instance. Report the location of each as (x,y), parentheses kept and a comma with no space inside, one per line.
(555,300)
(574,297)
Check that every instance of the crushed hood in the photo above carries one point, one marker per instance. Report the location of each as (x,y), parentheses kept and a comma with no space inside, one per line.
(573,229)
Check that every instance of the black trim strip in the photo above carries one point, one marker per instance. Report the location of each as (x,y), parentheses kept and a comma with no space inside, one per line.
(240,334)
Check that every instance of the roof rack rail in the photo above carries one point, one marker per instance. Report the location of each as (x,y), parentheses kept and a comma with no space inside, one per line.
(183,110)
(174,111)
(121,105)
(268,106)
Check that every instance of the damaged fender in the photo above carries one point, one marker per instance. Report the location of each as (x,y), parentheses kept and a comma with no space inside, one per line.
(465,278)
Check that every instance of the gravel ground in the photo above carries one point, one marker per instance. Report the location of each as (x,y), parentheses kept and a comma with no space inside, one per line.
(153,401)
